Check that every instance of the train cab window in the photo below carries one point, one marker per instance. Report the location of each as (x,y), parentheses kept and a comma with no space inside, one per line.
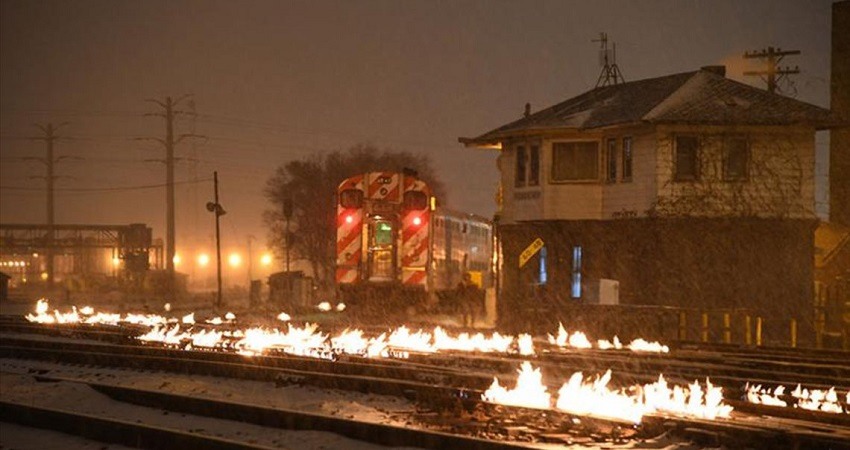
(383,233)
(415,200)
(351,198)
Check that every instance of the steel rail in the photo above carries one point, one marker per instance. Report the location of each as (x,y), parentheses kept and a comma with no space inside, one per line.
(114,431)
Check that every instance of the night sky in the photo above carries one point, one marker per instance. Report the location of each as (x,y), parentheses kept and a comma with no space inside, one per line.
(278,80)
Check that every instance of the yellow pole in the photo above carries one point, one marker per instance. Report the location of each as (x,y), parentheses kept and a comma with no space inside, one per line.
(758,331)
(793,333)
(683,325)
(748,322)
(705,327)
(727,331)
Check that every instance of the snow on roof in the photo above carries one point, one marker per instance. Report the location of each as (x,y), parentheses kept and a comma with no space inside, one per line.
(699,97)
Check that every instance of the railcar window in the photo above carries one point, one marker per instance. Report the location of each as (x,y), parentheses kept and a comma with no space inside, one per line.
(351,198)
(383,233)
(415,200)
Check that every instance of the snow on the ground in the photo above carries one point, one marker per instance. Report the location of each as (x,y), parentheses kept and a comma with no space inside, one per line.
(16,437)
(18,385)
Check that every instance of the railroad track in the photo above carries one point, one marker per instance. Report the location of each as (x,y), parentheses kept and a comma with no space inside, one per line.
(438,390)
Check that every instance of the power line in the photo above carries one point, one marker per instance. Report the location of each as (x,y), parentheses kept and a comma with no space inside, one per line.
(772,74)
(106,189)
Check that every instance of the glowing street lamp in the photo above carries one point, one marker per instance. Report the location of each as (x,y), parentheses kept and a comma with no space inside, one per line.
(266,259)
(176,259)
(234,260)
(203,259)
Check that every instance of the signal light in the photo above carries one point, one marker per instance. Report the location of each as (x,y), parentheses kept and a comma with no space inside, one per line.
(417,221)
(349,219)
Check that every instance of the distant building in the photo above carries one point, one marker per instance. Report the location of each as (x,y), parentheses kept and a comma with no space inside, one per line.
(688,190)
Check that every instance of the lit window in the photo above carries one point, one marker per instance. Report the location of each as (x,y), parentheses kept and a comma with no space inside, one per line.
(575,285)
(383,233)
(544,275)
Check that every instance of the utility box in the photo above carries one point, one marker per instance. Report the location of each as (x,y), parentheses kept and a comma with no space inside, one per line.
(609,292)
(291,290)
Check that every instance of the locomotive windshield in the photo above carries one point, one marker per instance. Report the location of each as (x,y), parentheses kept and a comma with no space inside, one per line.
(415,200)
(351,198)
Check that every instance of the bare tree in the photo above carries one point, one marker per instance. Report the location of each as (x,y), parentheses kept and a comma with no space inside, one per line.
(311,183)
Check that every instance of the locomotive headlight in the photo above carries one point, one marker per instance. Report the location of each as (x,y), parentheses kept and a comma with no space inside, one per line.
(349,219)
(417,221)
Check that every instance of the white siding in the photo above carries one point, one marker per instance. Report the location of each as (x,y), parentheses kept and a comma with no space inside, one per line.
(633,198)
(780,182)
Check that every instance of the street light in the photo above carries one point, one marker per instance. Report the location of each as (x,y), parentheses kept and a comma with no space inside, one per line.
(234,260)
(203,259)
(266,259)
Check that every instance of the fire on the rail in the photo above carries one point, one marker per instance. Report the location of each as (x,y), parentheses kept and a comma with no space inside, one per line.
(586,397)
(578,395)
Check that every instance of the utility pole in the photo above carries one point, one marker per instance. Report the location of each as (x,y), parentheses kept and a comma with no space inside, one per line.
(251,237)
(772,73)
(169,113)
(215,207)
(49,161)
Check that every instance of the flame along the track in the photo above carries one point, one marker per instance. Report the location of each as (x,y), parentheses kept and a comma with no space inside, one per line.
(593,397)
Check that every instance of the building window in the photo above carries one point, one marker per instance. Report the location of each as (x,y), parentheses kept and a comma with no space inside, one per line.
(575,283)
(611,158)
(686,158)
(627,159)
(736,159)
(575,161)
(534,169)
(543,277)
(520,166)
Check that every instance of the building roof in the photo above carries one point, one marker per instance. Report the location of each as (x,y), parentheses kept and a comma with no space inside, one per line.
(704,97)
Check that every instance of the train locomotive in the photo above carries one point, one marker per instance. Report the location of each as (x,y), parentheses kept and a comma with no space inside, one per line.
(396,249)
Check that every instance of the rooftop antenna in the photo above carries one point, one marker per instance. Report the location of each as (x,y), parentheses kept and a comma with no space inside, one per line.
(610,74)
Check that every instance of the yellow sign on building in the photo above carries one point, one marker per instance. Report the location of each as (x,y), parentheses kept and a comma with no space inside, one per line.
(529,251)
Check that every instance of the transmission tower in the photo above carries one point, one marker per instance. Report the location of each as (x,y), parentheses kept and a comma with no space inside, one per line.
(49,137)
(169,113)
